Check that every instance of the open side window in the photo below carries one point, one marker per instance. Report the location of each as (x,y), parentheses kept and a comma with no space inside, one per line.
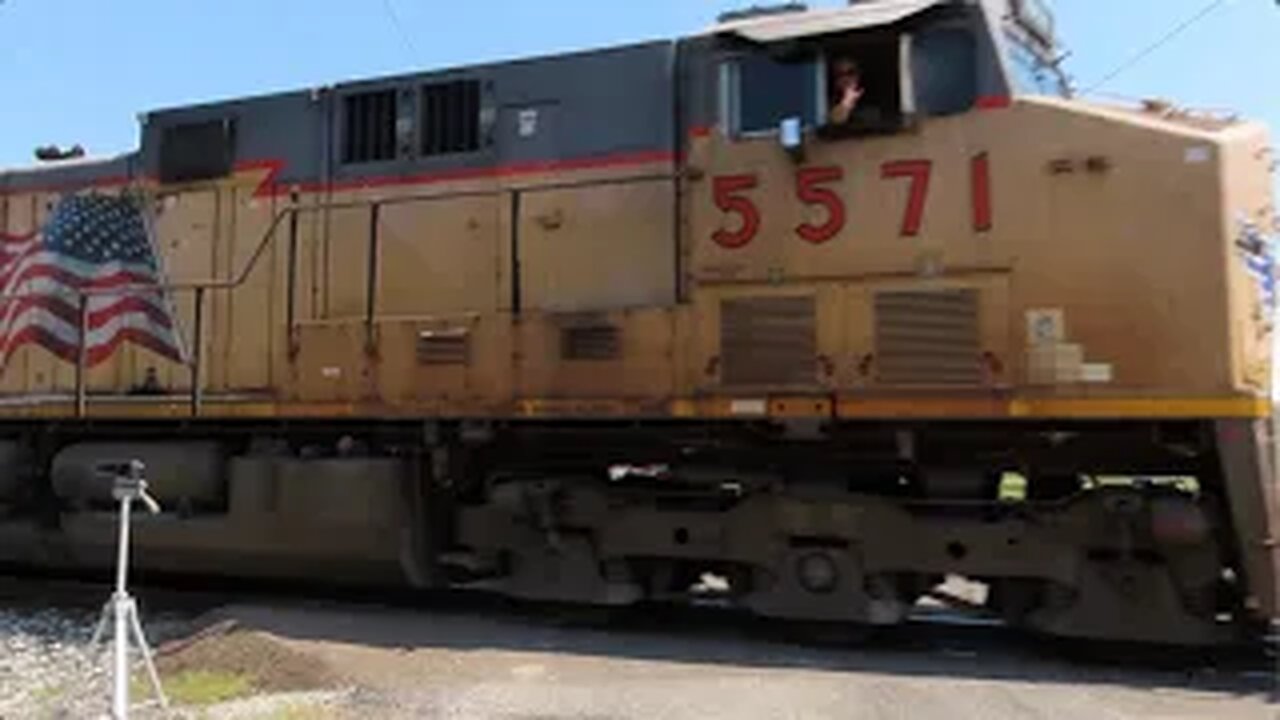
(867,69)
(760,90)
(869,86)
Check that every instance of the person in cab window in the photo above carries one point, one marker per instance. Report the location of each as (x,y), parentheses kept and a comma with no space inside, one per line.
(847,90)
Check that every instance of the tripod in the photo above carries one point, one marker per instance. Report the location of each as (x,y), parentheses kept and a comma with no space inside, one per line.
(121,610)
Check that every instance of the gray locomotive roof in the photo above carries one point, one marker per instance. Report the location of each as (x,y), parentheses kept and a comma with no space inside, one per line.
(596,102)
(416,75)
(789,26)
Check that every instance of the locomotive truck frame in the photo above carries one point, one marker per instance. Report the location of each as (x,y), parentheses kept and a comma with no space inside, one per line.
(590,327)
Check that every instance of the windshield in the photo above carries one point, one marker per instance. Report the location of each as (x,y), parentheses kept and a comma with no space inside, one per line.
(1033,69)
(1031,32)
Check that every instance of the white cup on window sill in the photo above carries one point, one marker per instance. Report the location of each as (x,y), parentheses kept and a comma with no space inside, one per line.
(791,135)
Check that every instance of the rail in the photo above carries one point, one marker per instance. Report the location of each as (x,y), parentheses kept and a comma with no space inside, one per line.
(201,288)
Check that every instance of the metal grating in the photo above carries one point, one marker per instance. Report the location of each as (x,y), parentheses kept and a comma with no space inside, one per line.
(589,342)
(928,337)
(451,117)
(191,152)
(444,347)
(369,127)
(768,341)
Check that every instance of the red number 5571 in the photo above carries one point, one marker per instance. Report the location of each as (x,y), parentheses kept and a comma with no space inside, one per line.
(729,192)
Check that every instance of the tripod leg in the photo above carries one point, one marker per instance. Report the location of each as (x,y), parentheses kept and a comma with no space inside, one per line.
(103,621)
(147,660)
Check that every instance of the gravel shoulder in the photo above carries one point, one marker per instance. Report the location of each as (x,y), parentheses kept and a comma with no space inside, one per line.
(343,661)
(440,664)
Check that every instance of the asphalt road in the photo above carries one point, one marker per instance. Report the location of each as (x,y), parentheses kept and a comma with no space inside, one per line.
(464,663)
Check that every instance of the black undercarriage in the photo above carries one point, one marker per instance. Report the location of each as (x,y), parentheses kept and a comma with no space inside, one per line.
(1095,529)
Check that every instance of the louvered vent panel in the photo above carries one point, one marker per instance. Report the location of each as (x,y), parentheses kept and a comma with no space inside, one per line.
(928,337)
(768,341)
(446,347)
(589,342)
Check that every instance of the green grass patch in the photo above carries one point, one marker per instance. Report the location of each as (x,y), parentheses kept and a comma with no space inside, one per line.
(197,688)
(46,694)
(298,712)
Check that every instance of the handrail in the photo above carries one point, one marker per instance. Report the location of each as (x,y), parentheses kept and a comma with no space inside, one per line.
(201,287)
(267,235)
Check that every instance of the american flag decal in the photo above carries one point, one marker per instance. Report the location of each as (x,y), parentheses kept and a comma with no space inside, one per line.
(89,242)
(1260,261)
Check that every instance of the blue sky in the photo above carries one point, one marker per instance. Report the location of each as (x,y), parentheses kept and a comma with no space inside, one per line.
(81,70)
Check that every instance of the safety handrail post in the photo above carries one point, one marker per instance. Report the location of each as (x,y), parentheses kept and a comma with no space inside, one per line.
(82,358)
(291,285)
(371,277)
(197,354)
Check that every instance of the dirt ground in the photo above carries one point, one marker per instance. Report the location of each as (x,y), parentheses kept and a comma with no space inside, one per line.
(271,665)
(458,663)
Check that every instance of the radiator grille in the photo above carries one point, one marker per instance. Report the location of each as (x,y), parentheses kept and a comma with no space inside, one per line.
(768,341)
(369,127)
(444,347)
(589,342)
(927,337)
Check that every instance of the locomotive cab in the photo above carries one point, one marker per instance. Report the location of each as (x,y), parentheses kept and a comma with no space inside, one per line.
(908,61)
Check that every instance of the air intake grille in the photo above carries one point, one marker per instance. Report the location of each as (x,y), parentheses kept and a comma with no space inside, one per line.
(369,130)
(928,337)
(197,151)
(589,342)
(768,341)
(444,347)
(451,117)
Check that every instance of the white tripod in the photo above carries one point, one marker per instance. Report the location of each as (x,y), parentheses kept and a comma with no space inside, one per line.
(121,610)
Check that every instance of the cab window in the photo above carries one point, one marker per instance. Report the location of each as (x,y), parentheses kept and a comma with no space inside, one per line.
(758,92)
(1030,36)
(864,87)
(1032,75)
(944,71)
(871,83)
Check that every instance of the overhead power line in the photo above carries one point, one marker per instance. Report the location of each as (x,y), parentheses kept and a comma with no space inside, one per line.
(405,37)
(1159,43)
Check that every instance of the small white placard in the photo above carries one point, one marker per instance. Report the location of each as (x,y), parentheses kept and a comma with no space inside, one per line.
(1096,372)
(748,407)
(1197,154)
(331,372)
(527,122)
(1045,327)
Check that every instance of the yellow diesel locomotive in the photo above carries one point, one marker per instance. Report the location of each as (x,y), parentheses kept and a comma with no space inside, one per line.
(805,312)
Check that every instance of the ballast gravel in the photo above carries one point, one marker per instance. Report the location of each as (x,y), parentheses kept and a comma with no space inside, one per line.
(46,667)
(49,669)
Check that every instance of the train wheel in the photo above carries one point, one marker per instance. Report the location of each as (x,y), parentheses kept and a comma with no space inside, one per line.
(826,585)
(1148,566)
